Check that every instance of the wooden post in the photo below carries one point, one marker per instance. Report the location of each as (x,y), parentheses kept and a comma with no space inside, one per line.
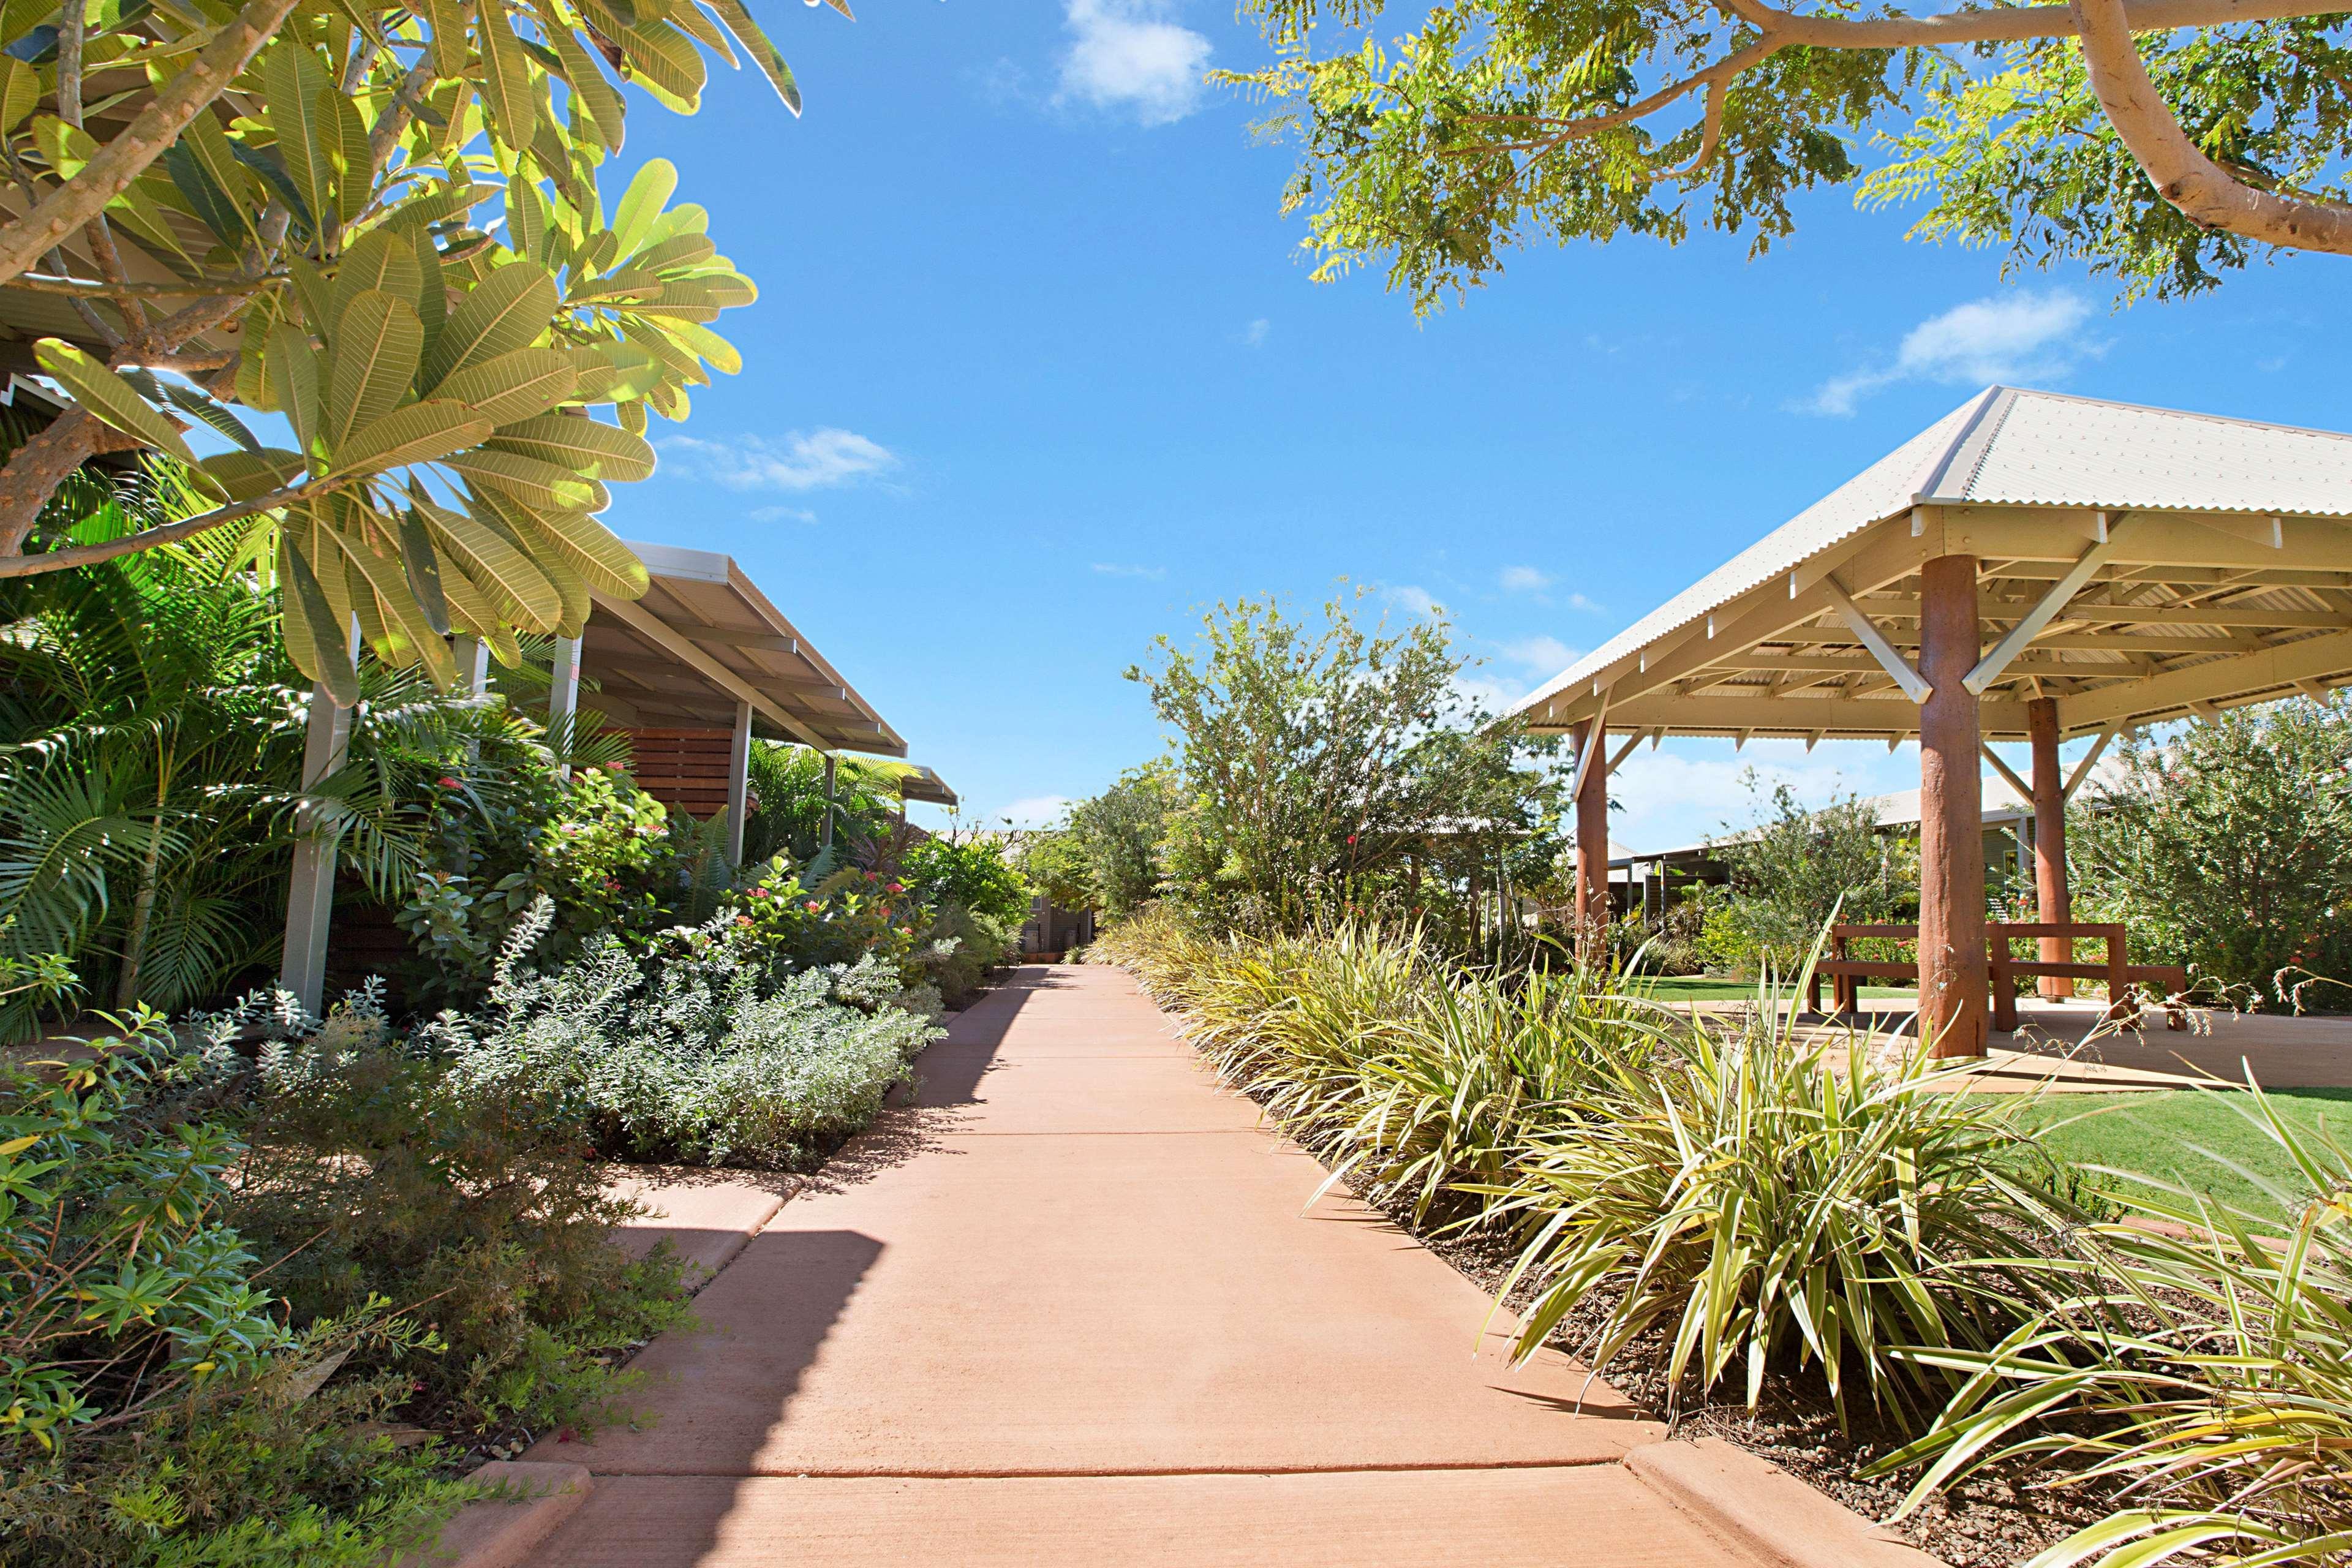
(2052,900)
(739,783)
(1952,961)
(1592,835)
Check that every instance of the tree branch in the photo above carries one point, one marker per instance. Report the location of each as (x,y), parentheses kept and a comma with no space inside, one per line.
(148,538)
(2008,25)
(2178,167)
(26,239)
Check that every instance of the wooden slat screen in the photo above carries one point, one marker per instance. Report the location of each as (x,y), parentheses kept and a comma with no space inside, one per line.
(686,770)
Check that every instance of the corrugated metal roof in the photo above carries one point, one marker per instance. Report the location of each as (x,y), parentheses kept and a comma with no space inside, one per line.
(2014,447)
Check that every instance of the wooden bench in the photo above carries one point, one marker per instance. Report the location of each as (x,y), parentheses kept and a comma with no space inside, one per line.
(2118,972)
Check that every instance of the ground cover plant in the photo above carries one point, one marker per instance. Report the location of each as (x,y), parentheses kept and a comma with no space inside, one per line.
(247,1323)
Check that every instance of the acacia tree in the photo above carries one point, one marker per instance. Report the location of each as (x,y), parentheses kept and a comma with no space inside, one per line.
(2158,139)
(383,223)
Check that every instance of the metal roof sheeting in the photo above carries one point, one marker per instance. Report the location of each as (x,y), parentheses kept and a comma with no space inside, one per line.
(2014,446)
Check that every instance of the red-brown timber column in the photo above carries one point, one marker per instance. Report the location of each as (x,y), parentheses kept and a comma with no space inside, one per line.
(1952,978)
(2052,900)
(1593,833)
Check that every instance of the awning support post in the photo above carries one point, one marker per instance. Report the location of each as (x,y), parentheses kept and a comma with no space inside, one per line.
(827,838)
(563,694)
(310,890)
(739,783)
(473,663)
(1952,959)
(2052,900)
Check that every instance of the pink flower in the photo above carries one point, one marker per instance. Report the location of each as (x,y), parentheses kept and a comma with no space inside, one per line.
(898,887)
(814,906)
(615,768)
(742,919)
(759,892)
(448,783)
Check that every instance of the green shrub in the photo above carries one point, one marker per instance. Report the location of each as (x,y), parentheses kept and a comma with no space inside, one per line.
(962,947)
(690,1055)
(2227,844)
(158,1404)
(2200,1365)
(974,874)
(373,1172)
(1768,1200)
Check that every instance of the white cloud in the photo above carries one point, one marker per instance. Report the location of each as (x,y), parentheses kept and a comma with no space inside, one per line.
(1254,333)
(1113,569)
(1126,55)
(2021,336)
(781,514)
(1415,601)
(802,460)
(1542,657)
(1524,579)
(1037,810)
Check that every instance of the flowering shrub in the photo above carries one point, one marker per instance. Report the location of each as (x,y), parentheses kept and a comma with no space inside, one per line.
(842,917)
(689,1053)
(601,851)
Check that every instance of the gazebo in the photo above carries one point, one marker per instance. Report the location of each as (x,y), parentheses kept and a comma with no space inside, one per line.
(2031,567)
(692,673)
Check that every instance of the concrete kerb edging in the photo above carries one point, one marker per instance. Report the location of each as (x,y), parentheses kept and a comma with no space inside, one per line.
(502,1532)
(1765,1511)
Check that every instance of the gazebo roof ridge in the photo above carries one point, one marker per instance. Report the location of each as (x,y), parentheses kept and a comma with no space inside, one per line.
(2232,518)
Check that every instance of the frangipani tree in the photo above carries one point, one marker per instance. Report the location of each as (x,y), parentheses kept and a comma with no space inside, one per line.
(385,224)
(2157,139)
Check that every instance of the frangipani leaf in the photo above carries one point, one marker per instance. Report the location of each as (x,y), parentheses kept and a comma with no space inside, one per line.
(582,445)
(418,433)
(108,398)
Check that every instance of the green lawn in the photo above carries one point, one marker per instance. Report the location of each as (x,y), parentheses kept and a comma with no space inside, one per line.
(1709,988)
(2160,1135)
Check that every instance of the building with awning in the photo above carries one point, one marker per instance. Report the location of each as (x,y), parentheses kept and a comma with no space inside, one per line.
(2031,567)
(692,673)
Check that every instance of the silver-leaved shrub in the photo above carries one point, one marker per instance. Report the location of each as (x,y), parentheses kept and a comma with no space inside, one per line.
(678,1055)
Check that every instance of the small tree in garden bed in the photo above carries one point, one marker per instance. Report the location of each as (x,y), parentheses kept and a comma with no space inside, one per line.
(2227,844)
(1794,870)
(1328,765)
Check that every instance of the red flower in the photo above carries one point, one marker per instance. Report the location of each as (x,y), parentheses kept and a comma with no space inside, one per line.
(814,906)
(898,887)
(448,783)
(1351,838)
(759,892)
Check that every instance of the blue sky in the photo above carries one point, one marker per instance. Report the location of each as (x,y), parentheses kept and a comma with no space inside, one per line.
(1037,374)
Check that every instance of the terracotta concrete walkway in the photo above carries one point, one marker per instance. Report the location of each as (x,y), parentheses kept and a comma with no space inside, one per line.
(1066,1307)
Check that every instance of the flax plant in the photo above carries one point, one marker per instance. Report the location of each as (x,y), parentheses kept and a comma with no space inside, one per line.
(2192,1361)
(1763,1198)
